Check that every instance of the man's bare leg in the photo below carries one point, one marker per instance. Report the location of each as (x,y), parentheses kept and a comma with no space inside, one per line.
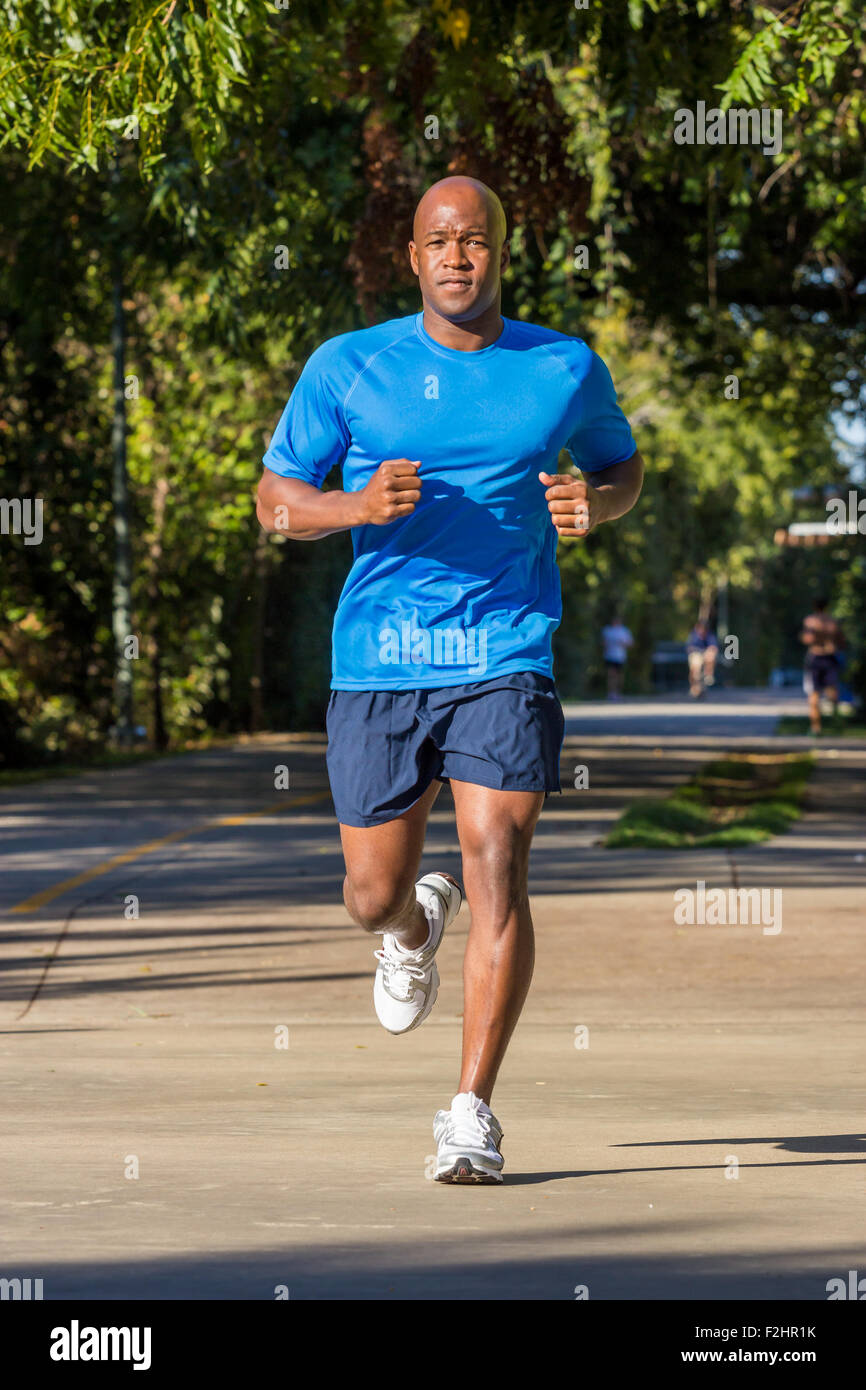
(381,869)
(696,674)
(495,830)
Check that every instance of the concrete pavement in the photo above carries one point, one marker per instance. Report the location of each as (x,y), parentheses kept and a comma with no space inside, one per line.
(707,1142)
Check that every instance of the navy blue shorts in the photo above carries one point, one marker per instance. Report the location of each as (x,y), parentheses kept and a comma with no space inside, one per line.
(385,747)
(823,667)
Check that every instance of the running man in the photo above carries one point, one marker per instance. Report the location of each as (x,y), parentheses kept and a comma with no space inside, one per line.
(822,637)
(703,649)
(616,640)
(448,425)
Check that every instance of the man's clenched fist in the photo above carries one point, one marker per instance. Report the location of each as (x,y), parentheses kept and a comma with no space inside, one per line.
(575,506)
(392,492)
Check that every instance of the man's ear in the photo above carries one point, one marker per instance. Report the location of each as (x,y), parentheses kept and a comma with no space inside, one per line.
(505,258)
(413,257)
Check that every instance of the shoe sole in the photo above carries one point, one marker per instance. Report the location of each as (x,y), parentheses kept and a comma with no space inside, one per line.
(463,1170)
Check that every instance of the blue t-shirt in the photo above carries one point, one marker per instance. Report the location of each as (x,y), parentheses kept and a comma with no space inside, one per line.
(466,588)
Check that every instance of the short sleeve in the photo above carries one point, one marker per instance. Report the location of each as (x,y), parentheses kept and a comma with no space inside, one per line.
(311,436)
(603,436)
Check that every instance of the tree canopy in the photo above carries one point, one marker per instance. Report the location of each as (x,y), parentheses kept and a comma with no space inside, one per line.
(249,173)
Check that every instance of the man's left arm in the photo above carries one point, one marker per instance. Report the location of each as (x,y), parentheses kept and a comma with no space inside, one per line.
(577,505)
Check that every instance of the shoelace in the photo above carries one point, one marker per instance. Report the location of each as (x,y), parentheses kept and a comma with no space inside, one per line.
(393,969)
(464,1129)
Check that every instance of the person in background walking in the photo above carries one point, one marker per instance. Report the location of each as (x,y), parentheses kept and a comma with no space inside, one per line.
(822,636)
(616,639)
(703,648)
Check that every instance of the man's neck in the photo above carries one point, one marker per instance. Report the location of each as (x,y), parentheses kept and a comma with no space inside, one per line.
(470,336)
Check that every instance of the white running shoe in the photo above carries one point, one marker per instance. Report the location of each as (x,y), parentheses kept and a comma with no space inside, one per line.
(468,1138)
(407,982)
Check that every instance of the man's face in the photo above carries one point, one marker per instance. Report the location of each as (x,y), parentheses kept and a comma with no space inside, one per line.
(457,255)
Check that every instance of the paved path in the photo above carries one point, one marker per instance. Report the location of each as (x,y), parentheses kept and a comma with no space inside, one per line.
(732,715)
(149,1044)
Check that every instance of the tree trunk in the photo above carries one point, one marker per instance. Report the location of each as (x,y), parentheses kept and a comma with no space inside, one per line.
(608,264)
(160,734)
(722,615)
(122,586)
(712,250)
(258,644)
(705,607)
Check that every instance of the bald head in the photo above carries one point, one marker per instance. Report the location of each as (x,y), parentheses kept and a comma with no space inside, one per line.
(459,186)
(459,252)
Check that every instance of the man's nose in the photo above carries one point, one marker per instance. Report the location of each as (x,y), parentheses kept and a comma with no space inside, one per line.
(455,253)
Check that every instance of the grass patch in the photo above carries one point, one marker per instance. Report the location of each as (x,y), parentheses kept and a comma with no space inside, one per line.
(732,801)
(843,726)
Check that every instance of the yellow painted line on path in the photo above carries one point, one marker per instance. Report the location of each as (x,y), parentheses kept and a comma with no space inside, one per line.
(49,894)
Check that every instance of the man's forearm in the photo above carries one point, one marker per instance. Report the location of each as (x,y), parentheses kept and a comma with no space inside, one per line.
(301,512)
(620,486)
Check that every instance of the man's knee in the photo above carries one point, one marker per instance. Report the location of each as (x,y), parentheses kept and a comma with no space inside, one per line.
(375,904)
(497,863)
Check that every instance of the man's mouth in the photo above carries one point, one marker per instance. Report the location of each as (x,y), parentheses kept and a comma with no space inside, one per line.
(455,283)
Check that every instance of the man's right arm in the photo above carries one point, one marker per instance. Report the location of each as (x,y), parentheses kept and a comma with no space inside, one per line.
(302,512)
